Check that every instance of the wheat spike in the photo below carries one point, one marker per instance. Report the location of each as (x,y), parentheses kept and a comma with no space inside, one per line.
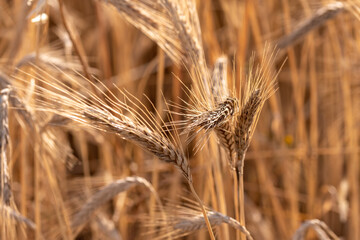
(260,85)
(243,129)
(220,91)
(320,17)
(149,140)
(184,219)
(94,112)
(226,136)
(107,193)
(173,25)
(320,228)
(5,186)
(89,110)
(213,118)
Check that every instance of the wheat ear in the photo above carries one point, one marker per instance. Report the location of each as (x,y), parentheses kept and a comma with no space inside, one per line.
(89,110)
(143,136)
(242,131)
(320,228)
(220,91)
(320,17)
(225,134)
(210,119)
(186,218)
(5,186)
(107,193)
(259,86)
(198,222)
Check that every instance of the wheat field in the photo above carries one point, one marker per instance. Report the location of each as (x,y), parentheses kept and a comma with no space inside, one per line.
(180,119)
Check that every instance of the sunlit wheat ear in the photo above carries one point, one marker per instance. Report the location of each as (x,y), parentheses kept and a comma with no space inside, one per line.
(320,228)
(220,91)
(182,220)
(212,118)
(225,133)
(107,193)
(152,19)
(84,107)
(173,25)
(5,186)
(209,106)
(151,141)
(244,121)
(260,85)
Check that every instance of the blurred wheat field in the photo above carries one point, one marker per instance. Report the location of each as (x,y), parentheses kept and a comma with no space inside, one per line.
(129,119)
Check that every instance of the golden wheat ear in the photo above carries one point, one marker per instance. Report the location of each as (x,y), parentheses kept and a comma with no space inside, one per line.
(173,25)
(320,228)
(186,218)
(259,86)
(88,109)
(5,186)
(107,193)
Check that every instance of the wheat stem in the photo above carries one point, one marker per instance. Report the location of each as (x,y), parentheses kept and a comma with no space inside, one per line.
(208,225)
